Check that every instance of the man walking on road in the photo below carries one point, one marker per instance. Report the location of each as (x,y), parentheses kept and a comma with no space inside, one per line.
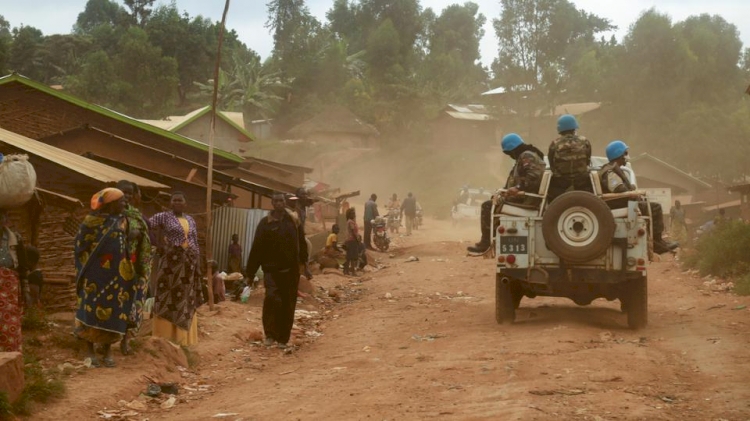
(280,248)
(371,212)
(409,208)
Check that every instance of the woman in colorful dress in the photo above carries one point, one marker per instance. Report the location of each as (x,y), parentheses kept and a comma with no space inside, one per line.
(12,286)
(106,279)
(139,249)
(178,287)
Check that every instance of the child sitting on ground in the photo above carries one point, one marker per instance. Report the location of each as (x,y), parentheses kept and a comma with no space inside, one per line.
(217,283)
(34,279)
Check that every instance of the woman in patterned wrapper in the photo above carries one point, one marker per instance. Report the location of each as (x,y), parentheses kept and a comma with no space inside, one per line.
(177,292)
(106,279)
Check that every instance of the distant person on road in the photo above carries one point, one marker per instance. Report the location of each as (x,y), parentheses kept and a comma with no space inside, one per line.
(371,212)
(678,229)
(525,176)
(352,244)
(409,209)
(394,203)
(332,249)
(280,249)
(235,255)
(569,159)
(615,180)
(721,217)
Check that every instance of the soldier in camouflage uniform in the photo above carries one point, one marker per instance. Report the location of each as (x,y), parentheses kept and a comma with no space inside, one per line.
(569,159)
(615,180)
(525,176)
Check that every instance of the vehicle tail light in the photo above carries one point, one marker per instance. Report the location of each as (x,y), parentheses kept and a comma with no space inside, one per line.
(641,262)
(510,259)
(501,229)
(501,259)
(641,232)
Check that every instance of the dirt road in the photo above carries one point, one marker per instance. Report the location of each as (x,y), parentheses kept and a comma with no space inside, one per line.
(420,341)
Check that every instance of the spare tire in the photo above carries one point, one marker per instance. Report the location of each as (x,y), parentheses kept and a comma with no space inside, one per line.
(578,226)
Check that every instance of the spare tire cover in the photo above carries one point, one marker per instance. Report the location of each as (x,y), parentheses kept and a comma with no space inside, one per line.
(578,226)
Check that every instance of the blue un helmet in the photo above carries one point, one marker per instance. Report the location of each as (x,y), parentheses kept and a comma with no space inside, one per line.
(511,141)
(566,122)
(616,149)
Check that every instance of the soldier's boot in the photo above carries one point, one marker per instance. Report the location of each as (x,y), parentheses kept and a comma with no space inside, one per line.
(484,243)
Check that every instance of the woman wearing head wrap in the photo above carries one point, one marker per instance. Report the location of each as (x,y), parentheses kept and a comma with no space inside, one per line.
(178,288)
(139,249)
(106,281)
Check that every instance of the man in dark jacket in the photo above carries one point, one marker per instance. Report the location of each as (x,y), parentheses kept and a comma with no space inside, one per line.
(371,212)
(409,208)
(280,248)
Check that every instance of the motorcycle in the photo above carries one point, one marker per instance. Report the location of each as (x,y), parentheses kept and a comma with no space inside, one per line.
(394,220)
(418,219)
(380,233)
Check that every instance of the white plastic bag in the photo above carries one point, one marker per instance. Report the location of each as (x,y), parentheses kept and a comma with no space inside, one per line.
(245,294)
(17,181)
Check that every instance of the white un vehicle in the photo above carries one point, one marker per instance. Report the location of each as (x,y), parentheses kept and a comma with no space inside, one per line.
(575,247)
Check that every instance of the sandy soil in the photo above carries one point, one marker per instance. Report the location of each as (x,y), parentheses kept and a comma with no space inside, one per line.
(418,340)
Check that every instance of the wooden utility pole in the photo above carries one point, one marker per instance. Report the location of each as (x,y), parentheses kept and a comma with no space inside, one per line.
(210,180)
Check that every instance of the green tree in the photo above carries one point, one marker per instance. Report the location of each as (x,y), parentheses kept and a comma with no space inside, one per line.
(149,80)
(97,13)
(452,66)
(6,38)
(96,81)
(534,38)
(26,52)
(140,10)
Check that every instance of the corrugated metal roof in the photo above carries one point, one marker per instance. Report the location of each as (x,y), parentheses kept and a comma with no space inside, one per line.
(725,205)
(469,116)
(116,115)
(77,163)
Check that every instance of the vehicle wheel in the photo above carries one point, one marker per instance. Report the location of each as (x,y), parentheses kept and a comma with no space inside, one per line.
(505,310)
(578,227)
(637,303)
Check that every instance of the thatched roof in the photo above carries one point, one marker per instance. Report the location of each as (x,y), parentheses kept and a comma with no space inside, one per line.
(334,119)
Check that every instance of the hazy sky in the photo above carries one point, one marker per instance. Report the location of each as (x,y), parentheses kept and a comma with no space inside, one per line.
(248,17)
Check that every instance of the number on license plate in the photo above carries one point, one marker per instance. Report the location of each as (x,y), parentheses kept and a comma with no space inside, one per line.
(513,245)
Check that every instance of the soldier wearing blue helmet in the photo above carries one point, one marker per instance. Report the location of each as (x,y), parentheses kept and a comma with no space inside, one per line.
(615,180)
(569,158)
(526,175)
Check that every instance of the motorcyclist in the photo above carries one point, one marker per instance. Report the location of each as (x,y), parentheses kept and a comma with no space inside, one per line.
(526,175)
(569,159)
(615,180)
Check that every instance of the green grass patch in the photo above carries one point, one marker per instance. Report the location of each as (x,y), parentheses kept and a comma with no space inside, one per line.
(40,387)
(34,320)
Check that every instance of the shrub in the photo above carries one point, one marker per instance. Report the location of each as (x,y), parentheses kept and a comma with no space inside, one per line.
(723,252)
(742,285)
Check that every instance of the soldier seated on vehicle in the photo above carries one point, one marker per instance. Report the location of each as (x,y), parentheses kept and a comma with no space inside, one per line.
(526,175)
(615,180)
(569,158)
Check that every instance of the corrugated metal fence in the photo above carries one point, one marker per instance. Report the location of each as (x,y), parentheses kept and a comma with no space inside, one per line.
(228,221)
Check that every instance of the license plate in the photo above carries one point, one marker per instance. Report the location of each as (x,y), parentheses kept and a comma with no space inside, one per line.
(514,245)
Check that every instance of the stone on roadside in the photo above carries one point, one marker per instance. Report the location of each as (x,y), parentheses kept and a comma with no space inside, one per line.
(306,286)
(11,374)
